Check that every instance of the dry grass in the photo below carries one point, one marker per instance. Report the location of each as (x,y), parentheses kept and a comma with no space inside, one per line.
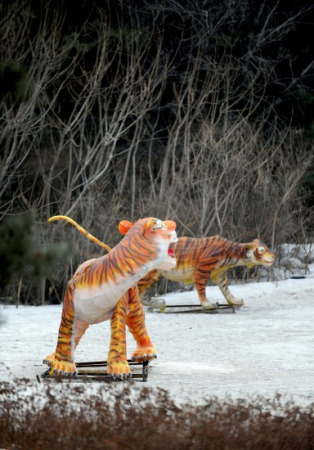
(116,416)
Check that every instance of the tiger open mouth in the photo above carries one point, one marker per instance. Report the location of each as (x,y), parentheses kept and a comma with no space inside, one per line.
(171,253)
(268,262)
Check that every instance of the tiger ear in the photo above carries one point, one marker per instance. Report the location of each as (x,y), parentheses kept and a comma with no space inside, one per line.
(170,224)
(253,244)
(124,226)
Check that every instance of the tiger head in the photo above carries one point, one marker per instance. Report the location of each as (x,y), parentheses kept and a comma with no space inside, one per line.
(149,240)
(258,254)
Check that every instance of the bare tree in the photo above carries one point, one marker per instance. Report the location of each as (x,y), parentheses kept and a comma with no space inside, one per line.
(140,136)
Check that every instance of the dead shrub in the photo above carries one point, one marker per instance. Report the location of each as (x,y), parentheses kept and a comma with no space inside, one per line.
(114,416)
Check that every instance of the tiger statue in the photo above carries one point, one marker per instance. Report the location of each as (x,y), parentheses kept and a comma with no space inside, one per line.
(199,260)
(105,288)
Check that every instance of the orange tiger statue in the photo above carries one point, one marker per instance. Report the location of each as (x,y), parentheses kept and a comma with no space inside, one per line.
(105,289)
(199,260)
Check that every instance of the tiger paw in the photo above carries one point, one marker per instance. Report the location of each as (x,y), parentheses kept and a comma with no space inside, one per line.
(63,368)
(154,302)
(142,354)
(207,305)
(235,301)
(50,360)
(119,369)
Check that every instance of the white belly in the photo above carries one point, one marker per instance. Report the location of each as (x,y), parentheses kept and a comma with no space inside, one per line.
(178,274)
(96,304)
(94,309)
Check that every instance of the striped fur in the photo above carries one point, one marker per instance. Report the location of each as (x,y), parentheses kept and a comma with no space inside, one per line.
(105,288)
(199,260)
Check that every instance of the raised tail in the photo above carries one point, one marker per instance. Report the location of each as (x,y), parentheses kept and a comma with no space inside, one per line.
(81,230)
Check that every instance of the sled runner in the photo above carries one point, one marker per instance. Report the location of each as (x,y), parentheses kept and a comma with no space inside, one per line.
(199,309)
(96,371)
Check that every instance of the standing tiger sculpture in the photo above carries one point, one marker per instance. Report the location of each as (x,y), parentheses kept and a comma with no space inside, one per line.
(199,260)
(105,289)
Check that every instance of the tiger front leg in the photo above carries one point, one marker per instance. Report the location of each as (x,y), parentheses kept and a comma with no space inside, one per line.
(200,282)
(135,320)
(62,361)
(118,367)
(221,280)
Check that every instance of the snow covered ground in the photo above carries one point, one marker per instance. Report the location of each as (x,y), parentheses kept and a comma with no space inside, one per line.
(264,348)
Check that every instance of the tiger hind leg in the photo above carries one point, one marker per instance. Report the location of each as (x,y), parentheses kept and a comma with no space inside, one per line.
(153,302)
(200,285)
(222,283)
(135,321)
(144,284)
(62,361)
(117,364)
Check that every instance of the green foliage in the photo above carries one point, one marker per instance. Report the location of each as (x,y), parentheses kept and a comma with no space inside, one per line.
(20,255)
(308,133)
(13,83)
(307,186)
(305,95)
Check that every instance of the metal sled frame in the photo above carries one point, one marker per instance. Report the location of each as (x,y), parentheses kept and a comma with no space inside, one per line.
(89,371)
(200,309)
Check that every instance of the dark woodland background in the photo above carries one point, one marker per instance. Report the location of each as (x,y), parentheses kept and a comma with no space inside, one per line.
(199,111)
